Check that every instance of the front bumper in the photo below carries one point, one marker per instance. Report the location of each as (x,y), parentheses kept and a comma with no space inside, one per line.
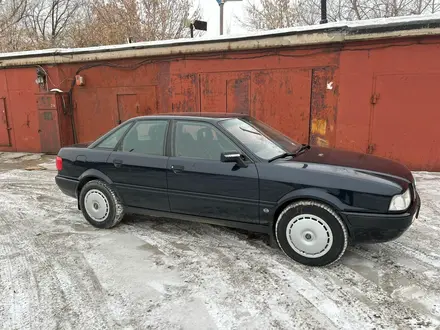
(67,186)
(376,228)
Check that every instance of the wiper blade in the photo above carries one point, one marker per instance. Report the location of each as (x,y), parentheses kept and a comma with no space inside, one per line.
(249,131)
(303,148)
(284,155)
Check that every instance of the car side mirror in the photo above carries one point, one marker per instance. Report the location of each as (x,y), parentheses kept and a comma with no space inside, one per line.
(233,157)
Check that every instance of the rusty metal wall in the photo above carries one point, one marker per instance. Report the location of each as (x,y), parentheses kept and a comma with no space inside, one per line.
(388,103)
(372,97)
(274,87)
(17,90)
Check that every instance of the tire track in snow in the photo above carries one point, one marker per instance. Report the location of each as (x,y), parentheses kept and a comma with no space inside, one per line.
(241,283)
(75,297)
(238,294)
(341,312)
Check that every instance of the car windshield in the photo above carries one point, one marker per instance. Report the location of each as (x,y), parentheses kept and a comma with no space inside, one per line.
(261,139)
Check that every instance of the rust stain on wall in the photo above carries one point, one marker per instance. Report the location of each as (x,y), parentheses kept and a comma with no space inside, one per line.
(183,93)
(323,107)
(238,94)
(225,92)
(281,98)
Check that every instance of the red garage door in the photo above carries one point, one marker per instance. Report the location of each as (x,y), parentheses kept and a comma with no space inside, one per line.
(4,126)
(405,120)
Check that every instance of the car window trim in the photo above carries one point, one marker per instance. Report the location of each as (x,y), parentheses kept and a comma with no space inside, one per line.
(256,157)
(95,144)
(118,146)
(173,138)
(249,154)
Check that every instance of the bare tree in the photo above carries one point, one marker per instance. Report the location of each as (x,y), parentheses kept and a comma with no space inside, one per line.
(37,24)
(114,21)
(270,14)
(109,22)
(48,21)
(167,19)
(12,12)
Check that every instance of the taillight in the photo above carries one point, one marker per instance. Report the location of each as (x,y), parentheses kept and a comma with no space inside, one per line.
(59,163)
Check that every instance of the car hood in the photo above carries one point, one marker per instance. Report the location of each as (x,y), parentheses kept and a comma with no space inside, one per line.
(355,160)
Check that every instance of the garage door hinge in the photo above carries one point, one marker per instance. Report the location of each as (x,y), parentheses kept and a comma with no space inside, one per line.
(374,98)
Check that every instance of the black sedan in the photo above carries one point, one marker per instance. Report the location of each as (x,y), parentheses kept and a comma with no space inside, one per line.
(235,171)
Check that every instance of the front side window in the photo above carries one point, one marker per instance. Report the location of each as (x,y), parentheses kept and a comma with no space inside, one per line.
(112,140)
(146,137)
(200,140)
(262,140)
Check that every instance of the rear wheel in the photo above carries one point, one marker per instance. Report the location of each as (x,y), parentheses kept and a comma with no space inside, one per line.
(311,233)
(100,205)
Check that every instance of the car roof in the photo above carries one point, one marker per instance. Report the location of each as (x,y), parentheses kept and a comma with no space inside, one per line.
(213,116)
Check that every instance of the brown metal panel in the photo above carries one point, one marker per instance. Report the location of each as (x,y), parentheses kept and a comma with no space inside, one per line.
(405,119)
(64,120)
(46,102)
(323,107)
(225,92)
(353,115)
(22,104)
(133,105)
(97,111)
(93,113)
(238,95)
(184,93)
(49,134)
(148,100)
(128,106)
(281,98)
(5,138)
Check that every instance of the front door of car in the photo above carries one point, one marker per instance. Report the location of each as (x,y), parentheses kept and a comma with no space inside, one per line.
(138,166)
(200,184)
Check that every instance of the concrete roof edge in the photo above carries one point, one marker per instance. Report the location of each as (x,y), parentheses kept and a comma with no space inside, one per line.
(329,33)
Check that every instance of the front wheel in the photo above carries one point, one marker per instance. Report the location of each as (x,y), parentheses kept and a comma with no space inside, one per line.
(311,233)
(100,205)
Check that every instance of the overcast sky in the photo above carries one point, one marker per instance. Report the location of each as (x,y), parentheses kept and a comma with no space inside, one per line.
(211,14)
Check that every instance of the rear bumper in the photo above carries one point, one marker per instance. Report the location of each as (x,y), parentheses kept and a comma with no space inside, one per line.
(67,186)
(366,227)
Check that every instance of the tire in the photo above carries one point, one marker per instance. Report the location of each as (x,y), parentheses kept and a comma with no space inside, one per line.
(311,233)
(100,205)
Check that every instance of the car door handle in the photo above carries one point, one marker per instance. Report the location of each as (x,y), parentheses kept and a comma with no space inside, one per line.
(177,168)
(117,162)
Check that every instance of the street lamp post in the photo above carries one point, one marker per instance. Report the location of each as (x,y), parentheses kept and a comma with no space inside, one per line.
(221,3)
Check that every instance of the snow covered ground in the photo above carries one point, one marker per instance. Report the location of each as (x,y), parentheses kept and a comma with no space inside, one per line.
(58,272)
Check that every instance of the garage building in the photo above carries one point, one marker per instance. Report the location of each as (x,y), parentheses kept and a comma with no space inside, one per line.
(368,86)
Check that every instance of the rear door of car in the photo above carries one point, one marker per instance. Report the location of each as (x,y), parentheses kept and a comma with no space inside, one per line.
(139,164)
(200,184)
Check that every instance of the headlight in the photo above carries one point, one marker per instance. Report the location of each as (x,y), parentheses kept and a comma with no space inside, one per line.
(400,202)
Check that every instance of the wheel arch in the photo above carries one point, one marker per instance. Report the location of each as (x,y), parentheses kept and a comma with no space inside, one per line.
(88,176)
(310,194)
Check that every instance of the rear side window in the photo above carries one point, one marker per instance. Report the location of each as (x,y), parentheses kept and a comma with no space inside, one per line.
(146,137)
(112,140)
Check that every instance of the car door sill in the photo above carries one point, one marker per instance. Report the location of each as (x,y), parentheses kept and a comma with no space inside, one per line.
(212,221)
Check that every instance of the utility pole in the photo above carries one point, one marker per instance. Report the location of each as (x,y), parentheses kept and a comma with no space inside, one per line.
(222,9)
(221,3)
(323,12)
